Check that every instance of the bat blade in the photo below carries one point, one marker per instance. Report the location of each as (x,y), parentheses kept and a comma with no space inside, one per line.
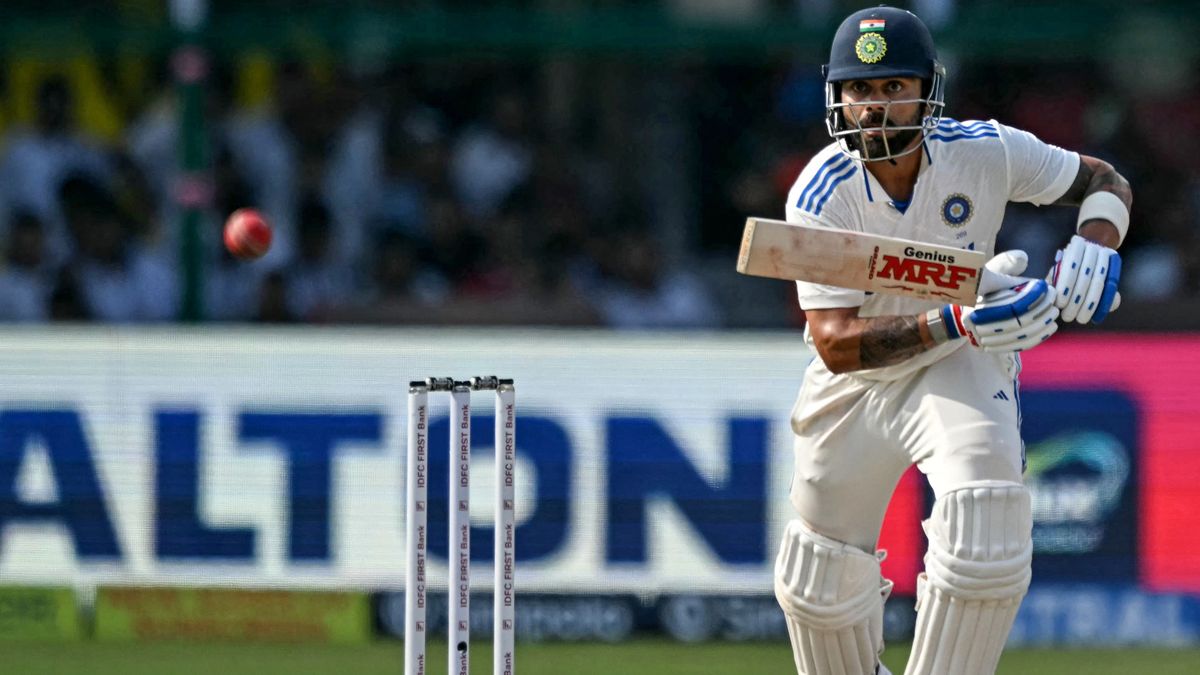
(866,262)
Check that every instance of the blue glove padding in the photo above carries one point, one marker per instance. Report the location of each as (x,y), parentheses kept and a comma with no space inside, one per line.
(1085,277)
(1008,320)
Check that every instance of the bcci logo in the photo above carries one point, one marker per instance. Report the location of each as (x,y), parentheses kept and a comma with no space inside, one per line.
(956,210)
(870,48)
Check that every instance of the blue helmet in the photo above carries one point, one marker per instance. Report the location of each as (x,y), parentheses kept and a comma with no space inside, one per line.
(877,43)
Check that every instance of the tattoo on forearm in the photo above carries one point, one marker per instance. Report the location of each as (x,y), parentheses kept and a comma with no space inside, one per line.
(1074,194)
(1111,181)
(1095,176)
(888,340)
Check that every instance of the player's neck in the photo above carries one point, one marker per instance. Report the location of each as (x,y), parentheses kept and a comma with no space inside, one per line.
(898,177)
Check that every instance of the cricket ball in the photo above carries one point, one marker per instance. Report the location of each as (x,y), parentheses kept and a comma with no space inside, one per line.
(247,234)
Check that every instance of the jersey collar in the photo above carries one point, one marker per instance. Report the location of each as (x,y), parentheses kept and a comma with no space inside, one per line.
(869,182)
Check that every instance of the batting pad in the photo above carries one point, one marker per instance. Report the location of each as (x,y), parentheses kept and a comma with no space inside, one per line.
(977,570)
(832,596)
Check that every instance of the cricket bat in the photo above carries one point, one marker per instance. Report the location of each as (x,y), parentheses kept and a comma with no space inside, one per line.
(866,262)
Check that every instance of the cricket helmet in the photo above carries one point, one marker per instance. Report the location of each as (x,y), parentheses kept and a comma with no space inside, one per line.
(876,43)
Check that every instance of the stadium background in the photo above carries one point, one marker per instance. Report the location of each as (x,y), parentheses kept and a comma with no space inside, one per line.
(200,456)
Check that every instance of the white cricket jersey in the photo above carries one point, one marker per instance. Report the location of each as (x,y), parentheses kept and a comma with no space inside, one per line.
(969,173)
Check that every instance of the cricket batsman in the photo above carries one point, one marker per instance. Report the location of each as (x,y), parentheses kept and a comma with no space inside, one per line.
(902,381)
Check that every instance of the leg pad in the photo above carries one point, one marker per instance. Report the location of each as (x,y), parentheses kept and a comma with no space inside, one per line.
(977,570)
(832,596)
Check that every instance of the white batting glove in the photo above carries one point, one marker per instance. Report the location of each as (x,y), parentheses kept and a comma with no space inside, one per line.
(1001,271)
(1013,313)
(1085,277)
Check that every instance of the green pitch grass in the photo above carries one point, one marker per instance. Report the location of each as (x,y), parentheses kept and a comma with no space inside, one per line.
(642,657)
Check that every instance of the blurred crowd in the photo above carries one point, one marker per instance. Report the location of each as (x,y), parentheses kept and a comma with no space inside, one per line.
(509,193)
(388,207)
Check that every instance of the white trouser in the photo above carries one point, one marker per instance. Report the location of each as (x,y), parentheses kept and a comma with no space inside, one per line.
(957,419)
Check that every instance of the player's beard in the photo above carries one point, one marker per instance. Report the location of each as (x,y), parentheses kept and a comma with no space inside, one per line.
(874,149)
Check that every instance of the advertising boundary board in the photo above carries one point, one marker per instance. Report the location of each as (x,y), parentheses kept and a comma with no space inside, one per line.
(173,613)
(39,613)
(651,464)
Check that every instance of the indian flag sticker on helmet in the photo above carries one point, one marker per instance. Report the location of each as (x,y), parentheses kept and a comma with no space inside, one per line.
(869,25)
(870,48)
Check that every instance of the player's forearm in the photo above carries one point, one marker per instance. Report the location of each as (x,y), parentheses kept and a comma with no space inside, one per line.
(1096,175)
(1102,232)
(889,340)
(874,343)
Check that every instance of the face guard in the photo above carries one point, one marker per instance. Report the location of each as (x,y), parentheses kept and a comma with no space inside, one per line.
(853,140)
(877,43)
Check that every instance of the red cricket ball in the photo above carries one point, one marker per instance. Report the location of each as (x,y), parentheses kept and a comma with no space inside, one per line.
(247,234)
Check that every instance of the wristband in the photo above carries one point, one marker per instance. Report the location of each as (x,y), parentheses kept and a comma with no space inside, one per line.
(1104,205)
(937,327)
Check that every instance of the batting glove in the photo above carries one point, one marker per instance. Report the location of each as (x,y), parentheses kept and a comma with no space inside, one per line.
(1084,277)
(1013,313)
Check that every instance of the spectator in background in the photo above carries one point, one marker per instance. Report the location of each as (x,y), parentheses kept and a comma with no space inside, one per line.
(273,301)
(521,275)
(504,266)
(346,167)
(27,281)
(320,137)
(538,247)
(231,286)
(119,282)
(414,164)
(317,282)
(454,248)
(637,290)
(375,160)
(457,199)
(275,151)
(568,195)
(152,138)
(153,154)
(401,280)
(493,158)
(134,197)
(36,162)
